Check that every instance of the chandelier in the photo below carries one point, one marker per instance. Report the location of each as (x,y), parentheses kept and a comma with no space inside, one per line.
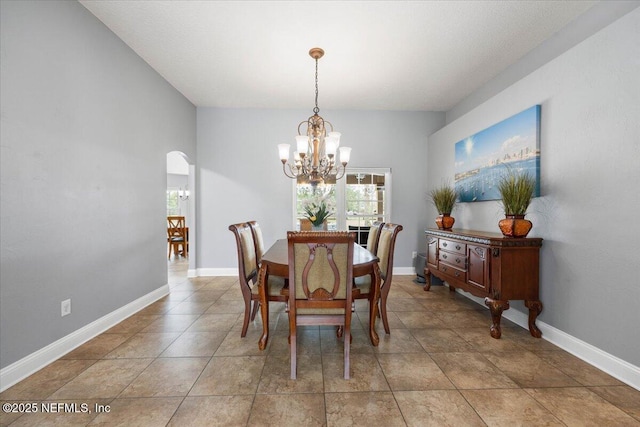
(315,160)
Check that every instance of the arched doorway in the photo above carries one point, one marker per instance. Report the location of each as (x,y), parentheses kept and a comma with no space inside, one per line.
(181,202)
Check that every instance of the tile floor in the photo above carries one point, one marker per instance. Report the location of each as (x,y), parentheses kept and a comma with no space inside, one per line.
(181,362)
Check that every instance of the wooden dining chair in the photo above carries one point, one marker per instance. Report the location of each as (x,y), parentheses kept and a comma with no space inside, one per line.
(384,250)
(177,236)
(248,274)
(258,240)
(321,281)
(374,235)
(362,290)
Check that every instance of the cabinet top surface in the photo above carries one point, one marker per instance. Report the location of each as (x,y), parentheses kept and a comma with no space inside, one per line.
(485,237)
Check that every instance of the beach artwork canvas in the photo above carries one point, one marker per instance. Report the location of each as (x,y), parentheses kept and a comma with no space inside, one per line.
(482,158)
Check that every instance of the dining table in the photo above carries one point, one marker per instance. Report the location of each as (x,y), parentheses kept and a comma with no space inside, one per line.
(275,262)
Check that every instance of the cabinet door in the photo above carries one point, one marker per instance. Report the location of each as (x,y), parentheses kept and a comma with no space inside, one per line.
(432,250)
(478,269)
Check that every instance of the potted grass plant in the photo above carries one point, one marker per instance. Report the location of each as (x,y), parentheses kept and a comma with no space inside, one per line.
(444,199)
(516,190)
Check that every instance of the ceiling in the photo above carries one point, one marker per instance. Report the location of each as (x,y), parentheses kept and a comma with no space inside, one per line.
(380,55)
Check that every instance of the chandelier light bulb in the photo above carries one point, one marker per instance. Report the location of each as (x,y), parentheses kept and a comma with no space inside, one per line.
(336,136)
(302,142)
(345,155)
(283,150)
(330,146)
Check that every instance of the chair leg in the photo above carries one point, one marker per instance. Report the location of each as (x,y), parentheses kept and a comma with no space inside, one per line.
(383,311)
(373,310)
(293,349)
(254,310)
(247,314)
(347,347)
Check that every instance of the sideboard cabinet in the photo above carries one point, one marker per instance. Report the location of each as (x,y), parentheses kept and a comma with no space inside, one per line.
(487,265)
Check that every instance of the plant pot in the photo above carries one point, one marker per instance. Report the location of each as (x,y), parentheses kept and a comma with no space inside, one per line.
(445,221)
(306,225)
(515,226)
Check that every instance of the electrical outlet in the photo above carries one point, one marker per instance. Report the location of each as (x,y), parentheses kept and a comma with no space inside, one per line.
(65,307)
(414,254)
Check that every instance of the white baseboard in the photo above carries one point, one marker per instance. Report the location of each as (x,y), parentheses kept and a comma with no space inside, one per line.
(26,366)
(612,365)
(404,271)
(192,273)
(218,271)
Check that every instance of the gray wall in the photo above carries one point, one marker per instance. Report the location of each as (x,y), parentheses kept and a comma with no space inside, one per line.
(240,176)
(588,213)
(594,19)
(86,126)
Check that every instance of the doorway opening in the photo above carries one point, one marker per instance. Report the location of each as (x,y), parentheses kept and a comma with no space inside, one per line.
(180,205)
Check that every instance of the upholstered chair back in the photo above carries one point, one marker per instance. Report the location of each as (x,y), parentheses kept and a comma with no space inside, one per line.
(374,235)
(386,246)
(258,240)
(247,264)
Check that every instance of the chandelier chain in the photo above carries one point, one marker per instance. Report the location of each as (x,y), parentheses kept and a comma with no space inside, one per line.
(316,109)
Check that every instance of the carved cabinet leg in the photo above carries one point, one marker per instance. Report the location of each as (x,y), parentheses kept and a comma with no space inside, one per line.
(496,307)
(427,276)
(535,307)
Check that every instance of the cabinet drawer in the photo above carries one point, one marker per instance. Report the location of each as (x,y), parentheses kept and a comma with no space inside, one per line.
(453,246)
(456,273)
(454,259)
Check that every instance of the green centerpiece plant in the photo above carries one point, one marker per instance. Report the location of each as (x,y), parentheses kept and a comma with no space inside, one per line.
(317,210)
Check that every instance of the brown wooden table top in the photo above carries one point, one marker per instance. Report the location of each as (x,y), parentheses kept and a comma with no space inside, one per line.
(277,258)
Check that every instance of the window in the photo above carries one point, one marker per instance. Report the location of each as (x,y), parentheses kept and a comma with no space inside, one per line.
(366,201)
(173,202)
(361,197)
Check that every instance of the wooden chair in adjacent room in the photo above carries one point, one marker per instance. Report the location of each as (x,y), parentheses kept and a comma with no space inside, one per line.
(384,250)
(248,274)
(177,236)
(321,281)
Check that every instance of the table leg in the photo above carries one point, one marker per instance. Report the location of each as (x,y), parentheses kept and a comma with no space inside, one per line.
(496,307)
(264,306)
(373,306)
